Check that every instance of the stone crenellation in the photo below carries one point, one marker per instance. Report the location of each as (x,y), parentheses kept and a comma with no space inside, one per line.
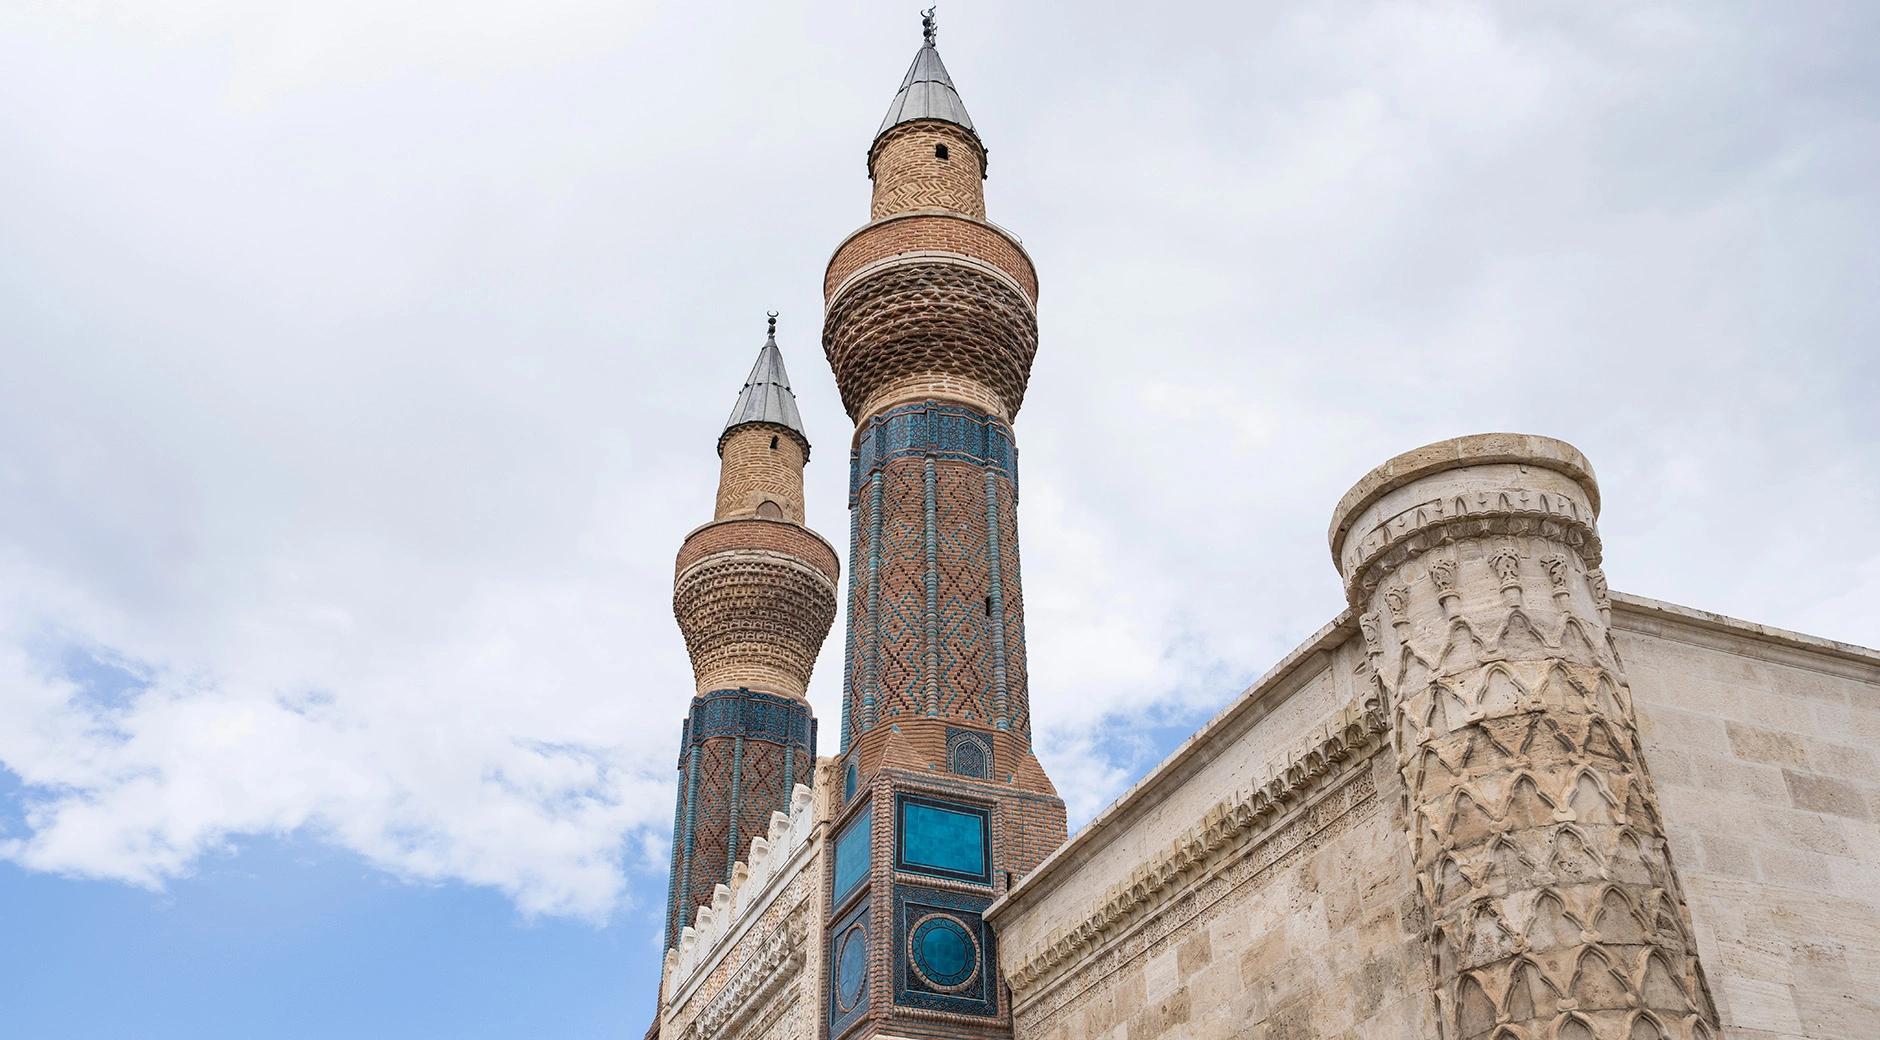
(767,858)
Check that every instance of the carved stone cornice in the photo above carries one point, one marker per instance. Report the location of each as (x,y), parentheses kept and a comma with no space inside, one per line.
(1354,730)
(773,965)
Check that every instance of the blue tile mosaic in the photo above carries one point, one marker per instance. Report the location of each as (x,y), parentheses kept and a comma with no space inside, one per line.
(933,430)
(968,753)
(747,713)
(942,839)
(943,952)
(852,856)
(848,969)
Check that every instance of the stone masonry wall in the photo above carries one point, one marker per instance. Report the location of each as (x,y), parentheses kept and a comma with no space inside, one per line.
(1763,748)
(1255,885)
(1309,932)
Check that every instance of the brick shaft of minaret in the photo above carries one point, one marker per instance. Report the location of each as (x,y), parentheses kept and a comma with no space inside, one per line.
(754,592)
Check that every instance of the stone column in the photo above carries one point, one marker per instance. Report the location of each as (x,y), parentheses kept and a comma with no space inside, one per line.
(1554,911)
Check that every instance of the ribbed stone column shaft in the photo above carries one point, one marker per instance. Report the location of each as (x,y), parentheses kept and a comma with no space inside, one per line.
(1554,909)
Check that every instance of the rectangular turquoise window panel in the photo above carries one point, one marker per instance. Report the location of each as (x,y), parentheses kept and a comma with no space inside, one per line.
(943,839)
(852,855)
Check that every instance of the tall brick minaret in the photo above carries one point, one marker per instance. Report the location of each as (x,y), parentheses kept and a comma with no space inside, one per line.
(755,594)
(931,331)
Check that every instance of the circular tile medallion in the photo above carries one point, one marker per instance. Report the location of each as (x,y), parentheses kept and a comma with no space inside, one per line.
(943,953)
(851,969)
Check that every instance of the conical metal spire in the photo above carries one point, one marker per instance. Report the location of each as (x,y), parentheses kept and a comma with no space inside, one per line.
(926,91)
(767,397)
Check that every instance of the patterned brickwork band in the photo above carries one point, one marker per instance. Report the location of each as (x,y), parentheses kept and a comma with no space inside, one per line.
(932,429)
(752,715)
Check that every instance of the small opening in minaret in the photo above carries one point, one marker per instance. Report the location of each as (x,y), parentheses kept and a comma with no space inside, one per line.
(988,606)
(773,442)
(939,151)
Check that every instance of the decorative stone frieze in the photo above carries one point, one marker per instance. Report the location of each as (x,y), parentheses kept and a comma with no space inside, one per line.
(772,858)
(1223,833)
(1554,908)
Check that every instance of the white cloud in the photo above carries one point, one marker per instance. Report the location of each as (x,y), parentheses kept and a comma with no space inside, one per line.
(364,362)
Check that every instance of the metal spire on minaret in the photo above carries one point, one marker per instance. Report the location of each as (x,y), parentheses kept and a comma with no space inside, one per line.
(927,91)
(767,397)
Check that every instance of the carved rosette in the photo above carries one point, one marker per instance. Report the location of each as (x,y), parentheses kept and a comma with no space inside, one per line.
(1554,909)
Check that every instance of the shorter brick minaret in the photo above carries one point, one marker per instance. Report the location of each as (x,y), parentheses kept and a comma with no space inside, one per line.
(755,593)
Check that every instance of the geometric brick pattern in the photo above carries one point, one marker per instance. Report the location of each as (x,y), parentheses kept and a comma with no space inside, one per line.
(754,618)
(754,593)
(927,318)
(909,173)
(930,330)
(935,621)
(741,754)
(762,463)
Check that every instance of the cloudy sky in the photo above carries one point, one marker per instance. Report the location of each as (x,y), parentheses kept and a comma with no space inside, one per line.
(361,364)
